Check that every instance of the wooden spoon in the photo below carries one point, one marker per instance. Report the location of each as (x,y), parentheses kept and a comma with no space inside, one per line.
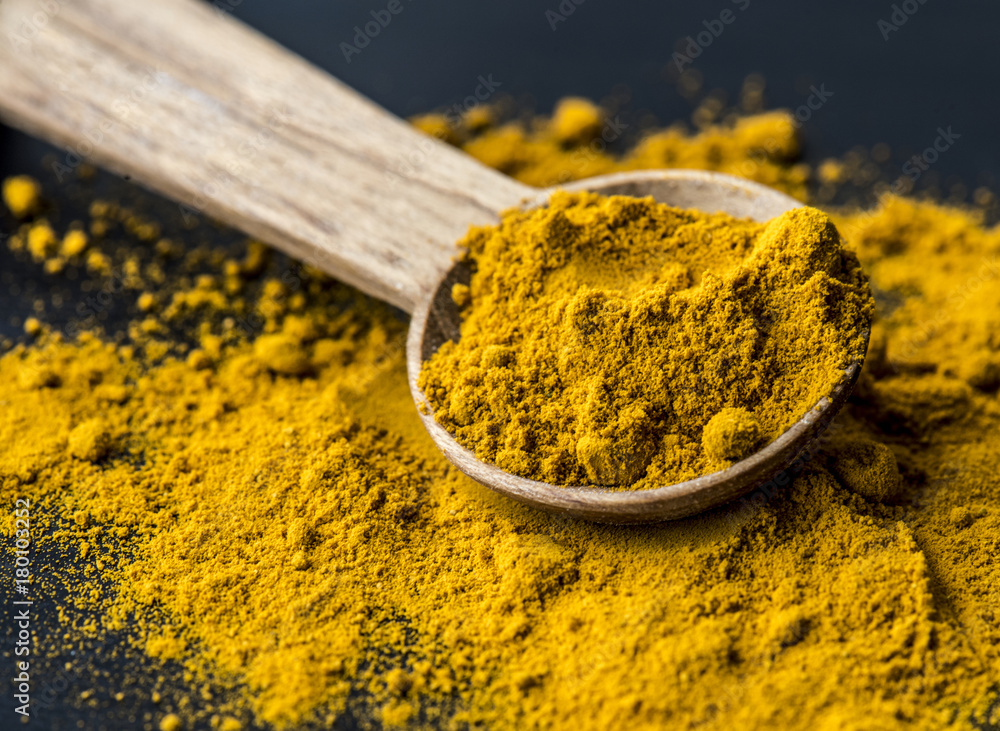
(195,105)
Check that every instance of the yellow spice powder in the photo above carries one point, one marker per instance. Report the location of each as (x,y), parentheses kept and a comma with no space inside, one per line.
(601,335)
(292,538)
(22,195)
(577,142)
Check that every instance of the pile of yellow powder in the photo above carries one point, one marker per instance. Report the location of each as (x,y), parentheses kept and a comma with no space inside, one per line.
(603,337)
(241,491)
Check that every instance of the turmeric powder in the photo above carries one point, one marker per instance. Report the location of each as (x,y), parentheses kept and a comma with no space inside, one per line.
(289,548)
(574,144)
(22,195)
(731,434)
(604,335)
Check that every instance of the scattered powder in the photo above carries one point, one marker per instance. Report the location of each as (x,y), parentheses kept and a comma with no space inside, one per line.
(291,540)
(577,142)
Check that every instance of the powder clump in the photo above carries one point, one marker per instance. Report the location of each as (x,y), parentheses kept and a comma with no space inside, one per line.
(576,120)
(42,241)
(74,243)
(91,440)
(282,354)
(868,468)
(731,435)
(22,195)
(171,722)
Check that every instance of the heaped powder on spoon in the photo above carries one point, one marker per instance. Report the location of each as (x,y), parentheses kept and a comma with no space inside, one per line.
(603,337)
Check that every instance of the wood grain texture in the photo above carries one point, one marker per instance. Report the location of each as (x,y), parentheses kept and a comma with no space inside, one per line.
(197,106)
(439,321)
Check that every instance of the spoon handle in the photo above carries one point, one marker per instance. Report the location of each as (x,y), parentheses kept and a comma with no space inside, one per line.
(199,107)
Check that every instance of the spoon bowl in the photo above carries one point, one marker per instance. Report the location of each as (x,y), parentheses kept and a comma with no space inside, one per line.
(439,320)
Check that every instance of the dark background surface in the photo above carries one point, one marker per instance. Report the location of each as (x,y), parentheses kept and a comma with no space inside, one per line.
(939,69)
